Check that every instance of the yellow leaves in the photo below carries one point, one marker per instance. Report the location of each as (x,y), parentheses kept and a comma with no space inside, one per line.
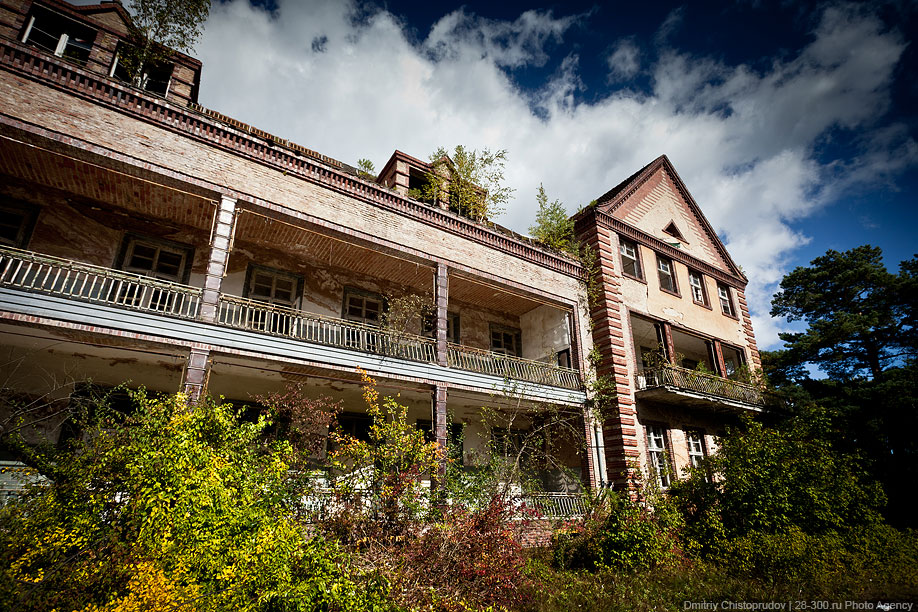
(150,590)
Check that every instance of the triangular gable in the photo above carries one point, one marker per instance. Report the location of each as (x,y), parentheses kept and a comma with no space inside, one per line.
(655,197)
(110,14)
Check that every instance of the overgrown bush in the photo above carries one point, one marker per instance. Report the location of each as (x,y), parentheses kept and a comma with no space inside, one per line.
(623,534)
(171,508)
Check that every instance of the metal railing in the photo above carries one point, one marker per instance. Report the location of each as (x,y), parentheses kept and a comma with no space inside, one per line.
(267,318)
(555,505)
(506,366)
(692,380)
(61,277)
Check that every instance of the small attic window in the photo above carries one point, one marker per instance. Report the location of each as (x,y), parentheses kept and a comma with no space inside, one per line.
(673,231)
(156,76)
(54,33)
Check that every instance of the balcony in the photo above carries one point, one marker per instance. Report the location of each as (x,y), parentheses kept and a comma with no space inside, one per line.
(62,278)
(676,385)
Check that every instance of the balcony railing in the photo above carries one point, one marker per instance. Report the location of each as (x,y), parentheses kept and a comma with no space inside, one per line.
(506,366)
(554,505)
(258,316)
(85,282)
(78,281)
(702,382)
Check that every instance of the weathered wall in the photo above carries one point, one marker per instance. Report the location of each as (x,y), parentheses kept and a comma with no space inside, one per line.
(545,333)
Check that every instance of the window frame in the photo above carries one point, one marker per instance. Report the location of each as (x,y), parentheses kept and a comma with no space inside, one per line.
(64,39)
(365,296)
(130,241)
(29,214)
(296,293)
(658,456)
(672,275)
(623,244)
(695,455)
(504,330)
(452,325)
(702,286)
(144,85)
(729,301)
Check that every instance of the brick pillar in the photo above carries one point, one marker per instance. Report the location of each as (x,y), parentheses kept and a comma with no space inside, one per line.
(221,239)
(196,371)
(747,329)
(670,345)
(441,297)
(719,358)
(438,418)
(609,319)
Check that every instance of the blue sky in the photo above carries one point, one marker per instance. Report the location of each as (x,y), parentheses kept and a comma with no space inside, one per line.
(793,124)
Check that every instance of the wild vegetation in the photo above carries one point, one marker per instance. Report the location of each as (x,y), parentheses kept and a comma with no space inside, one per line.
(221,507)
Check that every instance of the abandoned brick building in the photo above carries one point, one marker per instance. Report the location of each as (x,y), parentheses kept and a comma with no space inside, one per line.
(145,238)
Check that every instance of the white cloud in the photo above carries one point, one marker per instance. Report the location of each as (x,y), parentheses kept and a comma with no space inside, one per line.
(624,61)
(346,80)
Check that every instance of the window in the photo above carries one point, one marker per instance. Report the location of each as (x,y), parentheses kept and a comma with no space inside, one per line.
(734,358)
(362,306)
(506,340)
(726,303)
(666,275)
(696,449)
(155,78)
(696,282)
(564,358)
(673,231)
(155,258)
(454,436)
(272,286)
(16,223)
(452,327)
(657,454)
(59,35)
(631,259)
(356,424)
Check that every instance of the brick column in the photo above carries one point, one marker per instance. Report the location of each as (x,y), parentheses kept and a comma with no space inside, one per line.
(670,345)
(719,357)
(609,318)
(747,329)
(221,239)
(441,297)
(196,371)
(438,419)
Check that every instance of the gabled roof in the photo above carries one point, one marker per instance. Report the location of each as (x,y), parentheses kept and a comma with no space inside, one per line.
(613,199)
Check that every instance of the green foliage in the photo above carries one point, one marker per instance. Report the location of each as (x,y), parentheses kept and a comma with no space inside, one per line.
(158,27)
(624,534)
(470,180)
(365,168)
(858,320)
(170,508)
(553,227)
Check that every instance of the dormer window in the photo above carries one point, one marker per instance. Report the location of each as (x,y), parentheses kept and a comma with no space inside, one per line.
(673,231)
(155,76)
(59,35)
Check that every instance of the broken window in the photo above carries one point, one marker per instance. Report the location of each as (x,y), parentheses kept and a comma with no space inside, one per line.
(631,262)
(726,302)
(59,35)
(694,438)
(16,223)
(657,455)
(666,274)
(452,327)
(155,76)
(506,340)
(696,282)
(362,306)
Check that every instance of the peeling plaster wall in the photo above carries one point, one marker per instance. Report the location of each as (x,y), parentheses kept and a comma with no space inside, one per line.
(545,333)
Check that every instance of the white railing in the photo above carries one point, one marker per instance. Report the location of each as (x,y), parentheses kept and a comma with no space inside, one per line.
(692,380)
(61,277)
(554,505)
(267,318)
(506,366)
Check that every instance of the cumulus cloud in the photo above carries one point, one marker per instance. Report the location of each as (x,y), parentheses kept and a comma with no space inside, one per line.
(350,81)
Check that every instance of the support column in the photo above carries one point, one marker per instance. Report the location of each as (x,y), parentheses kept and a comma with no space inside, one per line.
(438,418)
(719,359)
(196,373)
(670,346)
(220,243)
(441,297)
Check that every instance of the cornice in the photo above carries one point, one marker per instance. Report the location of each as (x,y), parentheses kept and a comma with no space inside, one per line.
(217,130)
